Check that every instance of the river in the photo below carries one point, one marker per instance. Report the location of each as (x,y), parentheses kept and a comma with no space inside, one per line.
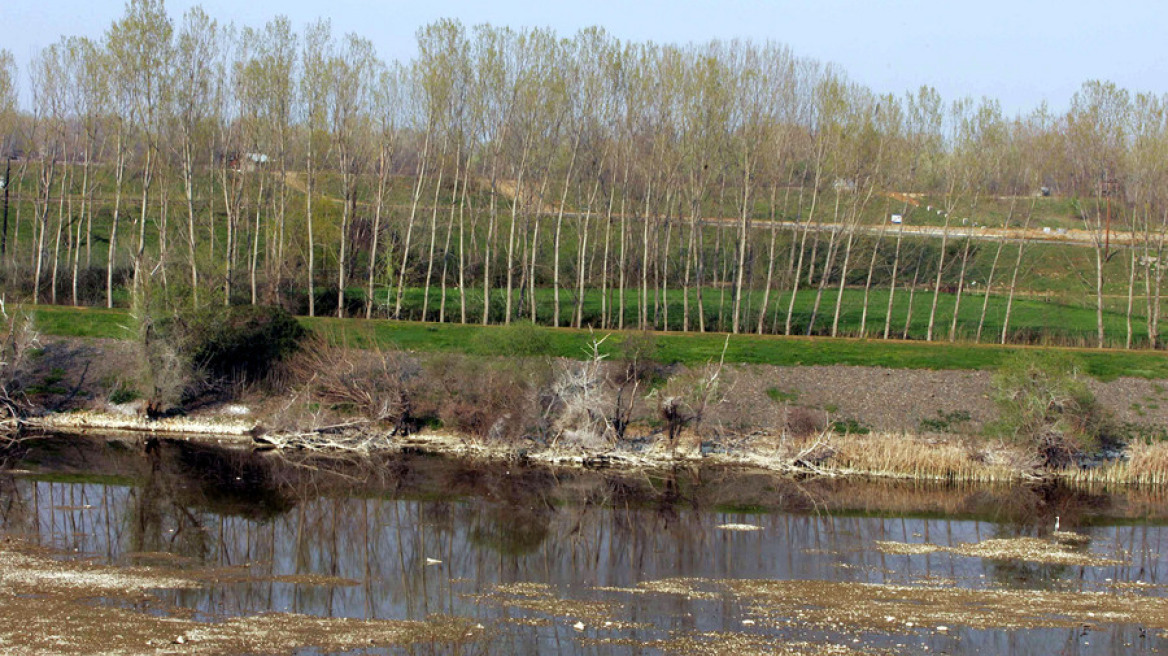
(695,560)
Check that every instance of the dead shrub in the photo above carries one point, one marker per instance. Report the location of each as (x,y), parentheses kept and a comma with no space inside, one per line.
(489,398)
(376,385)
(579,403)
(592,402)
(685,399)
(633,368)
(801,422)
(18,338)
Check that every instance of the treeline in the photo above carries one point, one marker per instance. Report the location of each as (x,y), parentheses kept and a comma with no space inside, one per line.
(517,174)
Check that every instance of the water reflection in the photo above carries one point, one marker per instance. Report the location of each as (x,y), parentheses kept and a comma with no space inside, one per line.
(412,535)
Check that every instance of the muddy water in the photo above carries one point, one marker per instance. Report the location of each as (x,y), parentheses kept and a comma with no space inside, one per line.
(689,561)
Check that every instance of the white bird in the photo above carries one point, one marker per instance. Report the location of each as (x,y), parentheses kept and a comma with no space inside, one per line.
(1056,524)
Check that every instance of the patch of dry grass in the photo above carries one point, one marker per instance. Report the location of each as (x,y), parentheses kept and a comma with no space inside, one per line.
(46,607)
(724,643)
(851,607)
(541,598)
(1028,549)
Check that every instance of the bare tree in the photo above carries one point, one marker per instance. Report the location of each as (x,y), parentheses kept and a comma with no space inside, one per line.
(316,57)
(198,68)
(141,48)
(1096,134)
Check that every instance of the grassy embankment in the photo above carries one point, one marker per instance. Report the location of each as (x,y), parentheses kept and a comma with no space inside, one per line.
(684,348)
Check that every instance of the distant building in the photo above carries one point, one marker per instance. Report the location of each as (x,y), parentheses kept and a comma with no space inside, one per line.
(844,184)
(248,162)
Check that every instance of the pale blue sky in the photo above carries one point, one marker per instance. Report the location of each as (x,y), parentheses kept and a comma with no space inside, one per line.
(1020,52)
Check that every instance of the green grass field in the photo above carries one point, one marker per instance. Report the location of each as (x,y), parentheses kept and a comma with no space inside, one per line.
(1033,320)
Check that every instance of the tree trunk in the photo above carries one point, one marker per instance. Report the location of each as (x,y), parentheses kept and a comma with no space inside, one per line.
(378,207)
(433,233)
(868,281)
(743,238)
(405,258)
(960,290)
(989,286)
(802,250)
(40,227)
(1014,276)
(643,315)
(940,271)
(119,177)
(584,224)
(1099,261)
(1131,290)
(766,292)
(911,293)
(825,275)
(559,230)
(449,232)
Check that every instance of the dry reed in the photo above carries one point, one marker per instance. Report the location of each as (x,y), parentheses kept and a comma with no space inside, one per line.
(1146,464)
(904,456)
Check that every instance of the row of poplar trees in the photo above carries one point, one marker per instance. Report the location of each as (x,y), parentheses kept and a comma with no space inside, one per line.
(507,174)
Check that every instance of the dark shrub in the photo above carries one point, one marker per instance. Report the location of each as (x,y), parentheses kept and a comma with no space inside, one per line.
(91,282)
(326,304)
(239,341)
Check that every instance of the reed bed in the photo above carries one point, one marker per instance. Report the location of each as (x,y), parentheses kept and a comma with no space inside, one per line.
(1146,464)
(904,456)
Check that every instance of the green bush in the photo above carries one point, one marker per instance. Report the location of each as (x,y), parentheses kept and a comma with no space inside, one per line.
(782,396)
(239,341)
(123,394)
(945,421)
(849,427)
(1044,403)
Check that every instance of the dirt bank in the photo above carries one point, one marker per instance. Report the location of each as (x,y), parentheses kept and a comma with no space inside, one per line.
(83,374)
(910,423)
